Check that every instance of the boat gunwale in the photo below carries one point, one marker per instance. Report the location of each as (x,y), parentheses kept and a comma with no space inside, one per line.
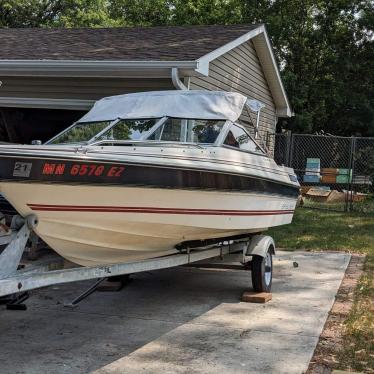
(86,151)
(86,158)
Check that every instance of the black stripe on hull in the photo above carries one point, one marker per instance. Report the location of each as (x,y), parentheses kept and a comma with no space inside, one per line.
(46,170)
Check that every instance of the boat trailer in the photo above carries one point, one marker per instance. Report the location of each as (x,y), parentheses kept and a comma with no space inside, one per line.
(17,279)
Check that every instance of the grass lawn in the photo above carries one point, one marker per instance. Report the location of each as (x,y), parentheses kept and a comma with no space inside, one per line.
(326,230)
(314,229)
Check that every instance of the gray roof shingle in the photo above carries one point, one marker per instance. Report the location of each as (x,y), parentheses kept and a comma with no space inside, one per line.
(163,43)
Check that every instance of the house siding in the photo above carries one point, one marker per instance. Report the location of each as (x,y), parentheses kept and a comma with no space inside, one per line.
(78,88)
(239,70)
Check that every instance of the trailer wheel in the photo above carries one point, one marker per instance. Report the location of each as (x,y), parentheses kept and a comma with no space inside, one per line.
(262,272)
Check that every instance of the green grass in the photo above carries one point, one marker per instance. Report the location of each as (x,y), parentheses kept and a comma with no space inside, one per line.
(327,230)
(358,348)
(314,229)
(340,206)
(366,206)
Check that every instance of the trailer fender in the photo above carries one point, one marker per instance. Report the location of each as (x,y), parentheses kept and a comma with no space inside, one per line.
(260,245)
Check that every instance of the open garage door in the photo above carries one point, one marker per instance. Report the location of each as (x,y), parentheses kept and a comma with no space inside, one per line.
(22,125)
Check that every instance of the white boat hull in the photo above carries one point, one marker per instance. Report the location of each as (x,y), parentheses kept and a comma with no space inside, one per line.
(138,223)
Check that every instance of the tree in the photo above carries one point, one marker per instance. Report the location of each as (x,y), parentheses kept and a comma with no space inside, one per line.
(25,13)
(53,13)
(202,12)
(140,12)
(325,48)
(81,13)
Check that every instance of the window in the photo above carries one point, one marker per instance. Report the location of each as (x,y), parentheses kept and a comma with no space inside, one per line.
(80,133)
(129,129)
(188,130)
(238,138)
(170,131)
(123,130)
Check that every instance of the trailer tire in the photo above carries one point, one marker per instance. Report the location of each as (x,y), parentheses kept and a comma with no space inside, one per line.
(262,272)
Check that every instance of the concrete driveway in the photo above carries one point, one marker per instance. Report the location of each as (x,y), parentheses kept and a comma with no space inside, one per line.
(182,320)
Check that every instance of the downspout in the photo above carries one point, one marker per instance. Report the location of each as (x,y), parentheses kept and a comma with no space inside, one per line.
(178,84)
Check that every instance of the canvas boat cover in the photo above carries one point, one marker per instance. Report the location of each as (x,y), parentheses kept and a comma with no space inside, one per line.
(180,104)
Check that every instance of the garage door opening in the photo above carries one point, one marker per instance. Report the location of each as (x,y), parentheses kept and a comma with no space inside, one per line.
(23,125)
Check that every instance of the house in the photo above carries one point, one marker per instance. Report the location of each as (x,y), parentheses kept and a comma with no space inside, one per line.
(50,77)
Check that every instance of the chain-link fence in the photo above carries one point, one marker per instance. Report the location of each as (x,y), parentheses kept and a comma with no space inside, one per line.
(334,172)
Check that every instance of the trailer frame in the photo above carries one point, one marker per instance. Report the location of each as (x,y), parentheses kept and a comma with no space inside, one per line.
(14,279)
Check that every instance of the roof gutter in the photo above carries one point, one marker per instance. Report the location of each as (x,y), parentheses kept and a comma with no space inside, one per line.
(88,68)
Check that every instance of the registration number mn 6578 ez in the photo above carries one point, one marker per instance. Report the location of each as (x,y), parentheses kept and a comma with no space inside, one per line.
(67,169)
(82,170)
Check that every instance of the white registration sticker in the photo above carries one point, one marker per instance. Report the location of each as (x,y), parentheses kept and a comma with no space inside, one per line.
(22,169)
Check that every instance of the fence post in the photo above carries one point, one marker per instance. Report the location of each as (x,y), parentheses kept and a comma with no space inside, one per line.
(351,162)
(287,150)
(291,140)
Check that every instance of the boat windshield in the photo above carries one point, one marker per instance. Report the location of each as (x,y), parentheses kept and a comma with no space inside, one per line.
(84,133)
(187,131)
(155,129)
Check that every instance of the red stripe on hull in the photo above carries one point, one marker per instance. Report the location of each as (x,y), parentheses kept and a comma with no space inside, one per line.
(111,209)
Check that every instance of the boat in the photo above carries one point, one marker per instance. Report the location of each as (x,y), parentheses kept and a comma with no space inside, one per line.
(143,175)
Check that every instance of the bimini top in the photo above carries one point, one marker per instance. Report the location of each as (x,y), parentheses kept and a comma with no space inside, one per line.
(180,104)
